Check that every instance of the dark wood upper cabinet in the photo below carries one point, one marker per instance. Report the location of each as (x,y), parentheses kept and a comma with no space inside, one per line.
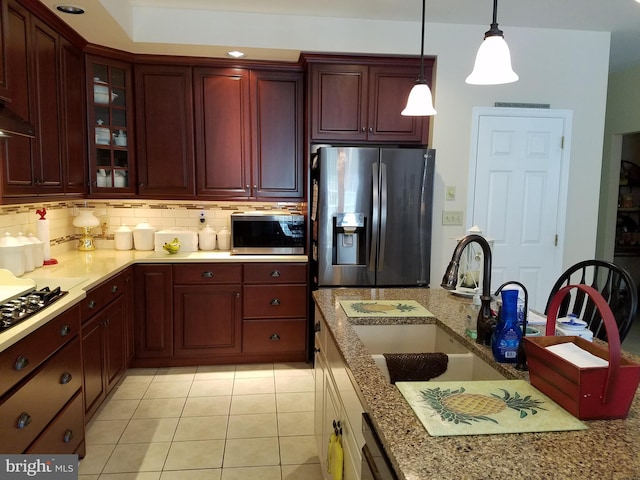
(249,133)
(45,86)
(277,131)
(164,133)
(223,142)
(4,85)
(73,131)
(47,164)
(361,102)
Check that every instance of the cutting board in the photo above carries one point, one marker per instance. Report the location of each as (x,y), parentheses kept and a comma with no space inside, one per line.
(485,407)
(384,308)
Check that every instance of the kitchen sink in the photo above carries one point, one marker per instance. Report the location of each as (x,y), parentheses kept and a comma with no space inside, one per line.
(424,338)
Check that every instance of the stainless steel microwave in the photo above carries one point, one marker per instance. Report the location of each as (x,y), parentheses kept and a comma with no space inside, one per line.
(268,232)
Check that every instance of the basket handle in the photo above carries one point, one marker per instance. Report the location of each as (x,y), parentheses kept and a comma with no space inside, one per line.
(610,325)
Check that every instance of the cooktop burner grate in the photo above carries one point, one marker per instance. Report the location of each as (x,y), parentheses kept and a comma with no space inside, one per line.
(26,305)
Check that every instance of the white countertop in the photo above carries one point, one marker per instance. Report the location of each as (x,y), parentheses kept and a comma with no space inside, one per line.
(77,272)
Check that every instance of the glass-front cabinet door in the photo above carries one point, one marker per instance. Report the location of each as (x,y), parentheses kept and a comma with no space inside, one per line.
(110,127)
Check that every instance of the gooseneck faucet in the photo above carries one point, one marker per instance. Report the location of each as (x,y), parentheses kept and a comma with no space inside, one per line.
(486,322)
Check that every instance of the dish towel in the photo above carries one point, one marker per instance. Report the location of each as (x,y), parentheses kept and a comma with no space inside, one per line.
(335,456)
(415,367)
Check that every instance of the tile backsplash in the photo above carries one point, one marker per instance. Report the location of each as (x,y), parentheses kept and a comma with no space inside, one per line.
(112,214)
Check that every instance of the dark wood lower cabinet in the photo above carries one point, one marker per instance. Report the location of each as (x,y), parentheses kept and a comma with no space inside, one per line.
(103,347)
(217,313)
(207,319)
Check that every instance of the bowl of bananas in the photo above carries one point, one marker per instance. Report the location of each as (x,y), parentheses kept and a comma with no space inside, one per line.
(173,246)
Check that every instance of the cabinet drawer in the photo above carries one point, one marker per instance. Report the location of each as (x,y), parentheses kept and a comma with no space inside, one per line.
(274,301)
(207,273)
(100,296)
(29,410)
(20,359)
(275,273)
(274,336)
(65,433)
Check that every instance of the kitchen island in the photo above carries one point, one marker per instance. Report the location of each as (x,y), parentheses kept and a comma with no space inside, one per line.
(608,449)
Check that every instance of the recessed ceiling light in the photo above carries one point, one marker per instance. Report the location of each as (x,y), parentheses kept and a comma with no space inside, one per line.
(73,10)
(236,54)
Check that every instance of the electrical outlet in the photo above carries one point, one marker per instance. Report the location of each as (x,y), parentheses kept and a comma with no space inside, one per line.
(451,218)
(202,216)
(451,193)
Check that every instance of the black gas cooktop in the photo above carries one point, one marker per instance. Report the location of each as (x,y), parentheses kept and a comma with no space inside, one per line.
(26,305)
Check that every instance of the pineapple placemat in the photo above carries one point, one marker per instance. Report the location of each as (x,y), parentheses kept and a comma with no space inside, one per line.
(384,308)
(485,407)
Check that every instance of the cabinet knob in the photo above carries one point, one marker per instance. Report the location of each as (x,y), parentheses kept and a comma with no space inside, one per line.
(274,337)
(275,273)
(65,330)
(316,327)
(364,129)
(316,350)
(92,304)
(114,288)
(23,420)
(370,129)
(21,362)
(275,302)
(207,274)
(65,378)
(68,436)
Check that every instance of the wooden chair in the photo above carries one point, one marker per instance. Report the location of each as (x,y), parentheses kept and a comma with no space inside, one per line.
(613,282)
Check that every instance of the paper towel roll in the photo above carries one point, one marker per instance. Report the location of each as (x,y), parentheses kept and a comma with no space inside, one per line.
(42,232)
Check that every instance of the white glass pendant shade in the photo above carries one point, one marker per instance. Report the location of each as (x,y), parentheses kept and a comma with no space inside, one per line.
(420,102)
(493,63)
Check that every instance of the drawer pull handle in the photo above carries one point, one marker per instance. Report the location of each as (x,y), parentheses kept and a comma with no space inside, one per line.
(275,273)
(114,288)
(92,304)
(68,436)
(23,420)
(65,378)
(21,362)
(65,330)
(207,274)
(275,301)
(274,337)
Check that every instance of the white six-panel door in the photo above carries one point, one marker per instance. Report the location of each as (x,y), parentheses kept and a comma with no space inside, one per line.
(517,194)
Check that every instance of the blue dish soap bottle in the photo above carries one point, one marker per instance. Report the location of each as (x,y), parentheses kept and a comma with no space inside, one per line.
(507,335)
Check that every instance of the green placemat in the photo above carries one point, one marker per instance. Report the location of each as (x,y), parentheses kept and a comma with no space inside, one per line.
(384,308)
(485,407)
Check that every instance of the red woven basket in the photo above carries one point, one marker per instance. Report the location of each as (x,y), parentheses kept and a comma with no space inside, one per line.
(587,393)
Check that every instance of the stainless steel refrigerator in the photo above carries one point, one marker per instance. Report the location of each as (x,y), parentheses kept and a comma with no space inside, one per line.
(371,211)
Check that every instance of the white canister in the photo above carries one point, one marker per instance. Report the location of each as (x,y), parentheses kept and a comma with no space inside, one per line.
(29,264)
(143,238)
(207,238)
(12,254)
(224,239)
(123,237)
(38,250)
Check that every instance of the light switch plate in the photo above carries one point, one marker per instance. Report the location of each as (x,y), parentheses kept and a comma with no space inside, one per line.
(451,218)
(451,193)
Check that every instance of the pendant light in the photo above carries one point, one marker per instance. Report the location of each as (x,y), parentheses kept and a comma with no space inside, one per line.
(493,61)
(420,101)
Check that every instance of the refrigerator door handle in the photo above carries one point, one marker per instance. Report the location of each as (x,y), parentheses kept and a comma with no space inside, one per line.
(376,215)
(383,214)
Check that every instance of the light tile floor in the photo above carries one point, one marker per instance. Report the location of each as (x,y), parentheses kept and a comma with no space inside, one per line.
(223,422)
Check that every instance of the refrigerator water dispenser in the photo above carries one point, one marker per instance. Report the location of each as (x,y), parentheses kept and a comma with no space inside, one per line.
(349,239)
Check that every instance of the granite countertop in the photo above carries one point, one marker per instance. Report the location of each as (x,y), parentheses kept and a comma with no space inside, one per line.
(608,449)
(77,272)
